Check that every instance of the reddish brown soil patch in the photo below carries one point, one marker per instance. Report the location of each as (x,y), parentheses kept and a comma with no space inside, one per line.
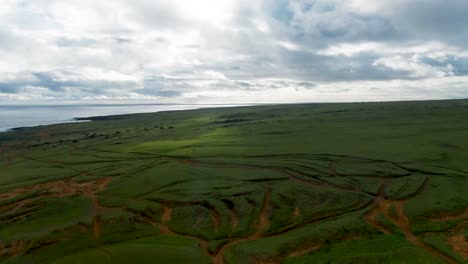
(96,227)
(304,250)
(371,219)
(62,188)
(402,222)
(263,220)
(165,219)
(166,215)
(262,226)
(459,245)
(451,216)
(297,213)
(215,217)
(264,217)
(23,208)
(14,247)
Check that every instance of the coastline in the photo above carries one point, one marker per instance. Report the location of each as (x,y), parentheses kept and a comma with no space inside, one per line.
(14,129)
(116,115)
(119,115)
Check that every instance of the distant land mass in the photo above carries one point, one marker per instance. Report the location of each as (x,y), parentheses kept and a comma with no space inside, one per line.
(382,182)
(18,116)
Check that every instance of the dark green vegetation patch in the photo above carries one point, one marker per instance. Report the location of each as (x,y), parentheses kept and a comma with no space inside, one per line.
(314,183)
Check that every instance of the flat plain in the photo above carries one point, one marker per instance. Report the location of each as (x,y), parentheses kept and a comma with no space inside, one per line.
(303,183)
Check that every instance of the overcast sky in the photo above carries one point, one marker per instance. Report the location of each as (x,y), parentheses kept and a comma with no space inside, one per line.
(228,51)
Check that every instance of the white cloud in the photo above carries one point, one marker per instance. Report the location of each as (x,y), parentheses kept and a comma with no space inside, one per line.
(414,67)
(200,50)
(289,45)
(432,49)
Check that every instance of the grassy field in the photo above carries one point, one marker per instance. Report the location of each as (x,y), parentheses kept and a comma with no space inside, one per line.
(311,183)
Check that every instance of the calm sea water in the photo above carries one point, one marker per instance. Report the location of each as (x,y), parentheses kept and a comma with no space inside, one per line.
(26,116)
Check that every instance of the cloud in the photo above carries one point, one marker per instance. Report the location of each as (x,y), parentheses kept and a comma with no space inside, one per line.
(185,51)
(158,93)
(69,42)
(413,67)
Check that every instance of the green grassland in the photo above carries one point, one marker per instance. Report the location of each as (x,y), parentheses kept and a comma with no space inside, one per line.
(304,183)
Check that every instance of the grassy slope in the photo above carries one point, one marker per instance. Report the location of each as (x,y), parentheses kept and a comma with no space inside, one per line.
(345,183)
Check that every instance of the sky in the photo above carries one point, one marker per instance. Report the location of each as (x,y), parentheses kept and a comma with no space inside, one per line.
(232,51)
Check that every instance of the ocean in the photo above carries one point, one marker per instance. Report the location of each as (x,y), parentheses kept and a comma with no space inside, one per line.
(27,116)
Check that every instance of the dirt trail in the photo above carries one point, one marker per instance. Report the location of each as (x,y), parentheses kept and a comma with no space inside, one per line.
(371,215)
(264,217)
(459,245)
(61,188)
(98,186)
(165,219)
(371,219)
(97,227)
(167,214)
(382,206)
(400,220)
(164,228)
(215,217)
(67,188)
(451,216)
(15,247)
(262,226)
(304,250)
(168,205)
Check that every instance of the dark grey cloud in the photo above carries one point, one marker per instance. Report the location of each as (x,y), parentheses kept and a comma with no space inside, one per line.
(10,88)
(17,85)
(320,23)
(49,81)
(435,19)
